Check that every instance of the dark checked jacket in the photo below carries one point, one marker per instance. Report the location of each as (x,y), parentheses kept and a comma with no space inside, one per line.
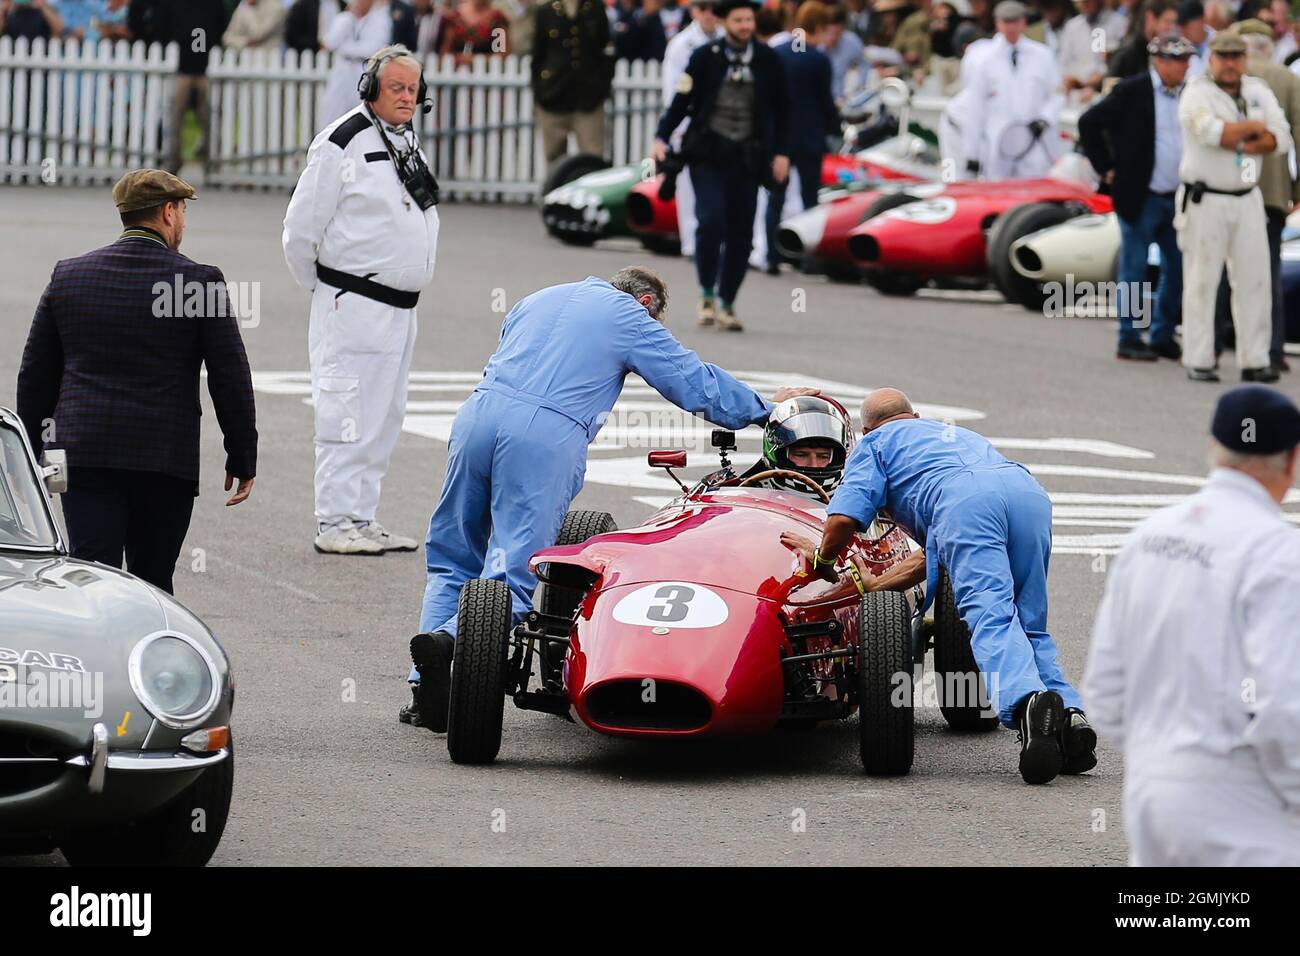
(121,382)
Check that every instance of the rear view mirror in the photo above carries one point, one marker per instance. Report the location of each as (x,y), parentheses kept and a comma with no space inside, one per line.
(54,471)
(667,459)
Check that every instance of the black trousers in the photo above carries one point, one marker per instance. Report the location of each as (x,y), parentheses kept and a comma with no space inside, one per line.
(726,196)
(1224,333)
(809,166)
(144,515)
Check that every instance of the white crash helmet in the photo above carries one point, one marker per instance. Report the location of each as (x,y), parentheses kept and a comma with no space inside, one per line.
(812,420)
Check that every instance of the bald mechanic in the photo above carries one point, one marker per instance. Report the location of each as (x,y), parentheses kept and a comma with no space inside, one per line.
(989,523)
(518,451)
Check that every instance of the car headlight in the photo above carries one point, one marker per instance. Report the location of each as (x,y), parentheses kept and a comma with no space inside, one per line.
(175,678)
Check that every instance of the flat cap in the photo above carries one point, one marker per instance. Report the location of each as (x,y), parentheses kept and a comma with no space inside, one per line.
(1256,420)
(1009,10)
(723,7)
(1252,26)
(1171,44)
(144,188)
(1227,41)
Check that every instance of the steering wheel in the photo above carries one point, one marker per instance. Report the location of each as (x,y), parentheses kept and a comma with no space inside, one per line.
(786,473)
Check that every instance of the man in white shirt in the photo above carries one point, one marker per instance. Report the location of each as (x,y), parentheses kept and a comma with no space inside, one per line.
(353,37)
(1085,39)
(1009,130)
(361,235)
(1194,669)
(1229,121)
(704,27)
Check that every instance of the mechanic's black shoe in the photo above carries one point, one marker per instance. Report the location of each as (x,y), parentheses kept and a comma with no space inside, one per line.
(432,654)
(410,713)
(1202,375)
(1266,374)
(1135,352)
(1168,350)
(1078,742)
(1039,720)
(773,269)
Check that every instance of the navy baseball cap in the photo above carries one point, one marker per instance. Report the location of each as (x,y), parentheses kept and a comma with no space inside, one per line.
(1256,420)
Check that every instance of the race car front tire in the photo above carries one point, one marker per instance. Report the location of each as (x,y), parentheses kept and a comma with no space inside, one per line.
(571,168)
(956,675)
(185,832)
(1015,223)
(478,673)
(578,527)
(886,721)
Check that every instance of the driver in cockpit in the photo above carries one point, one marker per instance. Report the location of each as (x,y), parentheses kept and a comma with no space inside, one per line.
(811,436)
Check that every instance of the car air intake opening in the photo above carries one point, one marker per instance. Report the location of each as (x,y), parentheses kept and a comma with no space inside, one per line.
(788,243)
(648,705)
(1028,259)
(864,248)
(639,210)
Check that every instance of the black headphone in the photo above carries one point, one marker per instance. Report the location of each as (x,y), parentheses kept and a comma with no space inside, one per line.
(368,85)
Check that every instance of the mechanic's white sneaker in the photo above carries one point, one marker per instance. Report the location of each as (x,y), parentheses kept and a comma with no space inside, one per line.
(385,538)
(346,539)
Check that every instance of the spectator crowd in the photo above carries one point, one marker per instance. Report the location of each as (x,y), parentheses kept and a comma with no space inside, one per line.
(1187,110)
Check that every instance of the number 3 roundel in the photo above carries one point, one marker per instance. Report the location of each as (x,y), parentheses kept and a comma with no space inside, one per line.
(671,604)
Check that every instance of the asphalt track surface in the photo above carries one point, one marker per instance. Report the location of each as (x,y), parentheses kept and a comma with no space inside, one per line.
(326,780)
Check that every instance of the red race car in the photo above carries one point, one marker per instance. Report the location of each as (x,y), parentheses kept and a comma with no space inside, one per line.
(902,237)
(699,621)
(655,220)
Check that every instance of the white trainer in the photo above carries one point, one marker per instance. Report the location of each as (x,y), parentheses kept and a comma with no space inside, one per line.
(346,539)
(386,539)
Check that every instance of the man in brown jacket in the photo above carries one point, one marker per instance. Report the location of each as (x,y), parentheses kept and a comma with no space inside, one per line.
(1280,191)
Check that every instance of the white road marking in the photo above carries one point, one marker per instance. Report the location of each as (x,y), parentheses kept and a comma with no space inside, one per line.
(642,421)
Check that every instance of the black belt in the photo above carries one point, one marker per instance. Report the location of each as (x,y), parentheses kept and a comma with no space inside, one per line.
(364,286)
(1193,192)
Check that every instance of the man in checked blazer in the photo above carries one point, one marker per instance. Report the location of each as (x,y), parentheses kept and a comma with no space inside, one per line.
(110,375)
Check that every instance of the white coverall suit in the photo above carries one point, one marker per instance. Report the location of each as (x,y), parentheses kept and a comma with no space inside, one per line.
(353,40)
(1003,95)
(1194,671)
(1225,228)
(351,213)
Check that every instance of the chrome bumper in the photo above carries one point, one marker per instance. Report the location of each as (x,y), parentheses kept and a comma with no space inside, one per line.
(99,761)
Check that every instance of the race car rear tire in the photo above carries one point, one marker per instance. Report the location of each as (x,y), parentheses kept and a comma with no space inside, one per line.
(661,245)
(1013,224)
(954,665)
(184,832)
(571,168)
(894,283)
(478,673)
(886,730)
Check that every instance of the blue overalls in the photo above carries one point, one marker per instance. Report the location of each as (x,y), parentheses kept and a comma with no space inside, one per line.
(518,450)
(988,522)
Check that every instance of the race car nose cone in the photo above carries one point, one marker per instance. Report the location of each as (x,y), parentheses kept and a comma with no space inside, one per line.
(802,233)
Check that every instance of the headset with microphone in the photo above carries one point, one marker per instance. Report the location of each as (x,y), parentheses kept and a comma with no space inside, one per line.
(368,85)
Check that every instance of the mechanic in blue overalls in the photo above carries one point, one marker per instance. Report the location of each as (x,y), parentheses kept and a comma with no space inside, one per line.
(518,449)
(989,523)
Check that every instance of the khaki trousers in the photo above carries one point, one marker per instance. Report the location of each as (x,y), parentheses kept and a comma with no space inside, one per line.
(189,90)
(1219,230)
(589,127)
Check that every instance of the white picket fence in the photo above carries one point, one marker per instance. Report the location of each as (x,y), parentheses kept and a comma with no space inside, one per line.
(84,114)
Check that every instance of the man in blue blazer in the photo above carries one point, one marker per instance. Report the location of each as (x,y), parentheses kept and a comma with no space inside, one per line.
(813,115)
(734,93)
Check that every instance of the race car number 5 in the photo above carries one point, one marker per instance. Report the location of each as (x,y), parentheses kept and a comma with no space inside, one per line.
(671,604)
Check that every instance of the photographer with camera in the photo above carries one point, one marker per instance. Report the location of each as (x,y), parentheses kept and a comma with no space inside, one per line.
(361,234)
